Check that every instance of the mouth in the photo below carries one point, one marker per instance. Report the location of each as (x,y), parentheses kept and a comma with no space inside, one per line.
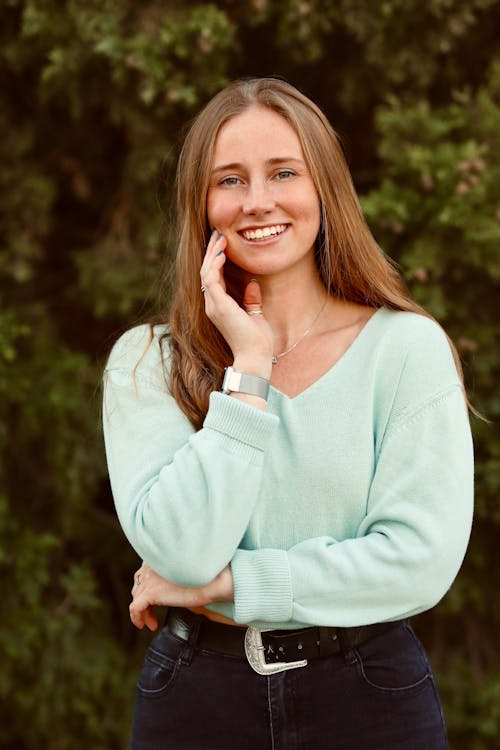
(258,234)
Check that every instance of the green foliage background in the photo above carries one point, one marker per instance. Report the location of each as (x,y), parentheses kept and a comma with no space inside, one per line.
(94,96)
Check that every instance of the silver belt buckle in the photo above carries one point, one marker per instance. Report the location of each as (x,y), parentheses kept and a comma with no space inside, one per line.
(254,650)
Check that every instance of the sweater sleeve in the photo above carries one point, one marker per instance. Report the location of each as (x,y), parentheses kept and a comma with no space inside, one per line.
(179,494)
(408,547)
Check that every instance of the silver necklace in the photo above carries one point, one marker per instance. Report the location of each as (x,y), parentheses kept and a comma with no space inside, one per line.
(276,357)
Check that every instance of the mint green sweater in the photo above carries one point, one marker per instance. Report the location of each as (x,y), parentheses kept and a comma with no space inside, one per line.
(346,505)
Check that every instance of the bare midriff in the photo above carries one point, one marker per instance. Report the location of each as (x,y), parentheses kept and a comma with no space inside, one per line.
(215,616)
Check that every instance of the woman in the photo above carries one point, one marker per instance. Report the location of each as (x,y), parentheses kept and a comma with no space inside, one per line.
(324,494)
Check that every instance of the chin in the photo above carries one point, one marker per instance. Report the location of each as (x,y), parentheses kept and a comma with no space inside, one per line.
(256,269)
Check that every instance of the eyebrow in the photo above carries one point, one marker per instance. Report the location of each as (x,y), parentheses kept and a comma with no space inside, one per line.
(269,162)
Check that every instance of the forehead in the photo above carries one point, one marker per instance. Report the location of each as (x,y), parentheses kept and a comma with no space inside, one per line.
(257,133)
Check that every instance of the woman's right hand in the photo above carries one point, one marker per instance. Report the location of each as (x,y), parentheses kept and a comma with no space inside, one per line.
(150,590)
(249,336)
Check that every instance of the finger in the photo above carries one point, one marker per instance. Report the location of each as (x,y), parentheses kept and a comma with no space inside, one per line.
(140,576)
(213,261)
(136,583)
(150,619)
(216,243)
(214,236)
(211,276)
(211,242)
(252,294)
(252,297)
(136,615)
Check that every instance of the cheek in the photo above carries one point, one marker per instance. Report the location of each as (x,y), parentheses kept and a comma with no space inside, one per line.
(315,216)
(221,210)
(309,216)
(305,206)
(210,211)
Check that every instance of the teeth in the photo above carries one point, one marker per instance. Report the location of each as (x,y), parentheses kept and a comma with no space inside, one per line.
(259,234)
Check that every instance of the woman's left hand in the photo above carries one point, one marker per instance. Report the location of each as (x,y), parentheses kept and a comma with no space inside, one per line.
(150,590)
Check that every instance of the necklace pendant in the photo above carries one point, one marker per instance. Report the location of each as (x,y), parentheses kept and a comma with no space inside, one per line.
(274,359)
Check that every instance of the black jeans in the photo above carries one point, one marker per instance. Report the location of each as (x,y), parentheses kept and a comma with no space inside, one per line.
(379,696)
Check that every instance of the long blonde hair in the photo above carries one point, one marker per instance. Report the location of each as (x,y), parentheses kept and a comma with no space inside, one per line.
(350,263)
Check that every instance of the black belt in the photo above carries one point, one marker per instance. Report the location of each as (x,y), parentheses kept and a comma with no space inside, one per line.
(275,647)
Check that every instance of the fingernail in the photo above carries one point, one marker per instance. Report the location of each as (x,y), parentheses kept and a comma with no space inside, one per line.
(212,233)
(221,252)
(254,280)
(220,236)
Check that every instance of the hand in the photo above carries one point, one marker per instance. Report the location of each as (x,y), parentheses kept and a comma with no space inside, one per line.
(150,590)
(249,336)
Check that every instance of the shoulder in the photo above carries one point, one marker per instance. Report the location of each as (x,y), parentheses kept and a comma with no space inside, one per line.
(411,328)
(143,351)
(415,363)
(414,340)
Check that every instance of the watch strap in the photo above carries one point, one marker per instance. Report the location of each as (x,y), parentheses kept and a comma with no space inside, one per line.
(244,382)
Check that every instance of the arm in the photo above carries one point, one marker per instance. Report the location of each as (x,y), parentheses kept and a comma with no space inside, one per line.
(152,590)
(179,495)
(408,548)
(410,542)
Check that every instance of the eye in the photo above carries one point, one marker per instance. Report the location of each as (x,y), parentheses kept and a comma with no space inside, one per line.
(285,174)
(230,181)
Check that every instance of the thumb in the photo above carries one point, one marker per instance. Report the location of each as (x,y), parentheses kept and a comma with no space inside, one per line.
(150,619)
(252,298)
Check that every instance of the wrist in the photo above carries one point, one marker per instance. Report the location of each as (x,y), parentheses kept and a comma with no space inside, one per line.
(248,387)
(227,590)
(221,588)
(261,366)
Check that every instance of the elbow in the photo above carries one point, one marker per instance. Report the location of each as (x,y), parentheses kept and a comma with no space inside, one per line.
(433,565)
(197,564)
(184,564)
(187,556)
(435,580)
(184,570)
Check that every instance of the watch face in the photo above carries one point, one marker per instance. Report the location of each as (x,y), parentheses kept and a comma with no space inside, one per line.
(230,383)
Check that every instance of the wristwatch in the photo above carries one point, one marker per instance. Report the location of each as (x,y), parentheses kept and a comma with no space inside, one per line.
(242,382)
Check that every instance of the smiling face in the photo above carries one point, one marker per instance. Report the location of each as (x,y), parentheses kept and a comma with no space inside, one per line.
(261,196)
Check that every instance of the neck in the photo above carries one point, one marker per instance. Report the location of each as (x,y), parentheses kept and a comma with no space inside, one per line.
(290,306)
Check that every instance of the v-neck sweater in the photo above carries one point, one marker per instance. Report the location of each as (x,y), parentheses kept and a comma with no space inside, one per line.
(349,504)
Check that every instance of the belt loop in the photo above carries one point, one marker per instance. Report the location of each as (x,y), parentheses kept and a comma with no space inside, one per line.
(346,645)
(194,631)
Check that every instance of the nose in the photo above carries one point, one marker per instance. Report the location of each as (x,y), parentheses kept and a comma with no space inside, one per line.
(258,198)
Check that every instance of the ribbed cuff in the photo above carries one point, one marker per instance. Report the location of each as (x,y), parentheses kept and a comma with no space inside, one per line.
(262,585)
(239,421)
